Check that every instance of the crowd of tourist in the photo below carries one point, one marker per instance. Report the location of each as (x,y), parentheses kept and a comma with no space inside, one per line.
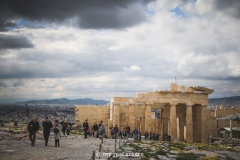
(57,127)
(97,131)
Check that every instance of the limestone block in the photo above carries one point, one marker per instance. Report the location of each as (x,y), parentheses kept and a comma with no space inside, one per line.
(140,94)
(153,100)
(141,100)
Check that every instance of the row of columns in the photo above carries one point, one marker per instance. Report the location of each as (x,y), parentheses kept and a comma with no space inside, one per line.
(173,121)
(189,123)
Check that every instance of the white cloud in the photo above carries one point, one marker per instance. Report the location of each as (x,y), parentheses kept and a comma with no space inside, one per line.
(202,49)
(133,68)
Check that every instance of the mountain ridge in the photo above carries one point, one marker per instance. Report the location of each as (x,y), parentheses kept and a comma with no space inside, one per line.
(233,101)
(66,101)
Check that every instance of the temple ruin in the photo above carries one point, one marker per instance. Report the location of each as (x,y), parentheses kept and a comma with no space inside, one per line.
(183,113)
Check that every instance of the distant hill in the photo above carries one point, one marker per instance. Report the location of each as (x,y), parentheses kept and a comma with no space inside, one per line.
(226,101)
(85,101)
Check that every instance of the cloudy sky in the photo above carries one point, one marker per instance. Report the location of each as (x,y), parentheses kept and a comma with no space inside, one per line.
(105,48)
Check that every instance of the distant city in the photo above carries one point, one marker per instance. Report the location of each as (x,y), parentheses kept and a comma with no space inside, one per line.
(24,113)
(226,102)
(63,109)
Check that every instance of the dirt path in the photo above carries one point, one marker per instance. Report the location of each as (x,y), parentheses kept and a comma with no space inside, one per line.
(17,147)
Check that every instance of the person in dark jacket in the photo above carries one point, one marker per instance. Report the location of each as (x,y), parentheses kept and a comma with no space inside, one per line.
(33,127)
(68,129)
(128,130)
(100,124)
(95,130)
(116,131)
(146,135)
(112,131)
(64,127)
(15,124)
(47,125)
(85,127)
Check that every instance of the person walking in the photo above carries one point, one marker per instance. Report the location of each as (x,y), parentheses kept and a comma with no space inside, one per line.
(128,130)
(89,131)
(100,123)
(47,125)
(85,127)
(33,127)
(146,135)
(15,124)
(68,129)
(116,130)
(150,136)
(102,132)
(112,131)
(57,135)
(95,130)
(64,127)
(135,134)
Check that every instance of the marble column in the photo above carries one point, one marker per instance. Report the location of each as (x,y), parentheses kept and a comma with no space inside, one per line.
(148,118)
(173,122)
(116,115)
(189,124)
(204,133)
(132,117)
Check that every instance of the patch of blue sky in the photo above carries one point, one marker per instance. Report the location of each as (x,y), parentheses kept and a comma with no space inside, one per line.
(21,23)
(24,23)
(9,28)
(178,12)
(148,11)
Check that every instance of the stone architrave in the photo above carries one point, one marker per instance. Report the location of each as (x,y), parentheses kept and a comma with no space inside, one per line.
(173,122)
(189,124)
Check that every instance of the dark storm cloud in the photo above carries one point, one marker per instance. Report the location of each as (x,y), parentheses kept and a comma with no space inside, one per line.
(52,65)
(4,25)
(14,42)
(91,13)
(2,84)
(18,83)
(229,7)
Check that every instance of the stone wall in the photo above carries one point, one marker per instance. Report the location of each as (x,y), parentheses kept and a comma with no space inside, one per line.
(215,125)
(94,113)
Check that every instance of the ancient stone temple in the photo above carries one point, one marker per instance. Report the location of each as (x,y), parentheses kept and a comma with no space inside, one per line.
(183,113)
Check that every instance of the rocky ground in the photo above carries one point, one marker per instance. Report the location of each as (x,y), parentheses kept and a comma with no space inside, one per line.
(17,147)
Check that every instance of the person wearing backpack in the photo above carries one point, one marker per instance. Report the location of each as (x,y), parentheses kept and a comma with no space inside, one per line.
(56,129)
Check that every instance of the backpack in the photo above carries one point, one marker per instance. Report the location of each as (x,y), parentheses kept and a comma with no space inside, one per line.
(56,130)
